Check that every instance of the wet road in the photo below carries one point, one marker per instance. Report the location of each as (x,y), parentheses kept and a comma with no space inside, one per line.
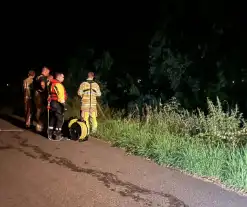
(42,173)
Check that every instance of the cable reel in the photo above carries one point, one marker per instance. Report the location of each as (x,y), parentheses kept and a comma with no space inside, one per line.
(78,130)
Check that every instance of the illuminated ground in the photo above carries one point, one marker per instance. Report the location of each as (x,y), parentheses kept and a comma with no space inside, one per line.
(38,172)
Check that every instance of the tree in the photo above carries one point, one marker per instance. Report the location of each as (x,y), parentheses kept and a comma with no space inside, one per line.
(168,68)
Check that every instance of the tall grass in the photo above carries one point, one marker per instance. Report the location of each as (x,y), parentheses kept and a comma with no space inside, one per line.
(211,145)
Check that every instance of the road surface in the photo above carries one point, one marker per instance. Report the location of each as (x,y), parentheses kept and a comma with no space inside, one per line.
(42,173)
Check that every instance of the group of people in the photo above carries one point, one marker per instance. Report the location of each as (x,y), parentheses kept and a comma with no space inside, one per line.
(46,96)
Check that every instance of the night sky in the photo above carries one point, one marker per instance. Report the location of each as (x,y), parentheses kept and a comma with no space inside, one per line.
(33,39)
(47,35)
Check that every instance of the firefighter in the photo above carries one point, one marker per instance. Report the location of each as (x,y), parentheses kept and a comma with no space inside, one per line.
(89,91)
(41,95)
(28,97)
(57,98)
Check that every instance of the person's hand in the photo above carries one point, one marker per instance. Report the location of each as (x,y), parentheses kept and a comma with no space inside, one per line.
(42,84)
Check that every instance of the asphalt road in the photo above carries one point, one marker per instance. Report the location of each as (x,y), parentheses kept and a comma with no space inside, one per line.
(42,173)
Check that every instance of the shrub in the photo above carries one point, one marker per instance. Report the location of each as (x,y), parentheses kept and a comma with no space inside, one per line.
(73,107)
(211,145)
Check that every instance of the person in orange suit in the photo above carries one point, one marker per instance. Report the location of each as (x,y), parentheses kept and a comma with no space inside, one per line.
(28,97)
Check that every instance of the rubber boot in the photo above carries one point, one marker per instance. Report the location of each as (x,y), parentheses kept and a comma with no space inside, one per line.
(49,134)
(39,128)
(58,135)
(28,126)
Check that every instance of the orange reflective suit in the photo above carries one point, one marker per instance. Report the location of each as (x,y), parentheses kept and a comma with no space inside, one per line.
(28,102)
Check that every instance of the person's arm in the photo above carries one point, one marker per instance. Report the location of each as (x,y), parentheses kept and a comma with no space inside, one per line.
(59,89)
(80,91)
(98,92)
(42,83)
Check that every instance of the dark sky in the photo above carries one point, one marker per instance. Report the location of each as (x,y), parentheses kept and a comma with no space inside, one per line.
(47,34)
(32,39)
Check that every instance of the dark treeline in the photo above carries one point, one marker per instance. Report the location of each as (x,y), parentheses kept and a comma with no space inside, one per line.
(190,50)
(193,51)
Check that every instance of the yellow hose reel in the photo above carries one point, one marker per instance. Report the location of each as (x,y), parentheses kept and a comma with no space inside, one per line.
(78,130)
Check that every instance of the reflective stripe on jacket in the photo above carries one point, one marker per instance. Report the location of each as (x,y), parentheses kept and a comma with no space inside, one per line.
(89,91)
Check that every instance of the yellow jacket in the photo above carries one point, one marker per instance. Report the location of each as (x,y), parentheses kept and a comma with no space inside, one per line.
(88,97)
(57,92)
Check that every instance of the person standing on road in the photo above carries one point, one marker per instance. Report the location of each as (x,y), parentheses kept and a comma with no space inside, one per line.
(89,91)
(57,98)
(28,98)
(41,95)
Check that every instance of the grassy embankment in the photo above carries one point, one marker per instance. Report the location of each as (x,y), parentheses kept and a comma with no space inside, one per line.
(203,145)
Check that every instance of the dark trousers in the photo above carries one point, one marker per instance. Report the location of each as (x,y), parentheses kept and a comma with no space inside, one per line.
(40,102)
(56,116)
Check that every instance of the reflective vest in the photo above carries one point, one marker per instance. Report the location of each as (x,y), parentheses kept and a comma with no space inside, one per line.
(53,94)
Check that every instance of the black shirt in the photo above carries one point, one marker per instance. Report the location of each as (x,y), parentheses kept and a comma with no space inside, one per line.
(37,84)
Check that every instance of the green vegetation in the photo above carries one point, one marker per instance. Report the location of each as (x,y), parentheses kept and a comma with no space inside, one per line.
(211,145)
(210,142)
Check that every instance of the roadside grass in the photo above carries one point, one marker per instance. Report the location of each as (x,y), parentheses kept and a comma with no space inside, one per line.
(206,145)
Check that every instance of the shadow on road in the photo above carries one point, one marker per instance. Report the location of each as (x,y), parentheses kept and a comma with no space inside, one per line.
(12,120)
(19,122)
